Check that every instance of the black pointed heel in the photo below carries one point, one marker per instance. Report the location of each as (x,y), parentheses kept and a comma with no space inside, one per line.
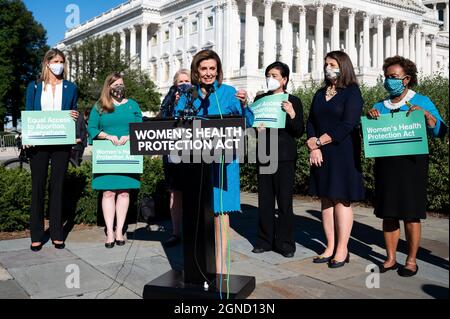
(321,259)
(385,269)
(59,246)
(337,264)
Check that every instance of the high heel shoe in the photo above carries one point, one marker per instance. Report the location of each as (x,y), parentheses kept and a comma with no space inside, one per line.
(385,269)
(337,264)
(120,242)
(109,245)
(59,246)
(321,259)
(405,272)
(36,248)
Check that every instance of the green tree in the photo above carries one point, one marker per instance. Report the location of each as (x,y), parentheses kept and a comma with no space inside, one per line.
(95,58)
(22,46)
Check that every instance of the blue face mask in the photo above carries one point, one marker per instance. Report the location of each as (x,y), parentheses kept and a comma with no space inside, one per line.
(395,87)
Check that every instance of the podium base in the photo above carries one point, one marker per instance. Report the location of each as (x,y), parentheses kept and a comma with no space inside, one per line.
(171,285)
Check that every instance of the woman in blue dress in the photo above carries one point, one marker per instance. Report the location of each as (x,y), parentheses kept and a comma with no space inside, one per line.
(335,151)
(109,120)
(216,98)
(401,181)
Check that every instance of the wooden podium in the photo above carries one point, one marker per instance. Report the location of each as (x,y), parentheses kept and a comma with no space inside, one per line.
(198,230)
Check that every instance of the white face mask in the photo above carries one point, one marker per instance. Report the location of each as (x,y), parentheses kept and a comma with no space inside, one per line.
(272,84)
(56,68)
(332,74)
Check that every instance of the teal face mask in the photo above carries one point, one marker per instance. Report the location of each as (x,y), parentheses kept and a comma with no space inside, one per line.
(395,87)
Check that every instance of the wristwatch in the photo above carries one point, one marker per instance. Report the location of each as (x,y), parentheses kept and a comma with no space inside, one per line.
(318,142)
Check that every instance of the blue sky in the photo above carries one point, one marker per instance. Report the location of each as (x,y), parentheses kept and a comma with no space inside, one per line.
(52,14)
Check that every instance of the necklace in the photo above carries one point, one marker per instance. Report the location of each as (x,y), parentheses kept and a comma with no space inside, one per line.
(331,91)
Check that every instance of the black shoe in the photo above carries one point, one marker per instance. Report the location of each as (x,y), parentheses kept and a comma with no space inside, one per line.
(59,246)
(405,272)
(337,264)
(259,250)
(36,248)
(120,242)
(385,269)
(109,245)
(284,253)
(172,241)
(321,259)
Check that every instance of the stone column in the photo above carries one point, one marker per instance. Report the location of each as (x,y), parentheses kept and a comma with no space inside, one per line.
(424,52)
(123,42)
(446,16)
(405,39)
(433,53)
(185,21)
(251,55)
(132,42)
(269,34)
(380,42)
(418,47)
(335,35)
(374,50)
(144,47)
(319,38)
(201,30)
(393,24)
(412,46)
(302,46)
(235,29)
(351,37)
(218,27)
(286,47)
(366,39)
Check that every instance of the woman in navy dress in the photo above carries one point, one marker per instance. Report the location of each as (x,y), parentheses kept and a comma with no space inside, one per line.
(335,149)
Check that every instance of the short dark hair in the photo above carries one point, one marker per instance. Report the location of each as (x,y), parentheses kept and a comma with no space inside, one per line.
(202,56)
(348,76)
(408,66)
(283,68)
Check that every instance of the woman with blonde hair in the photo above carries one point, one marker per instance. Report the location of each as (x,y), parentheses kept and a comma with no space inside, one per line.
(109,120)
(172,171)
(50,93)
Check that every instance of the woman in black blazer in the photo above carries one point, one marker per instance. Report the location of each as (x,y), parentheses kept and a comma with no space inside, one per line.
(278,233)
(50,93)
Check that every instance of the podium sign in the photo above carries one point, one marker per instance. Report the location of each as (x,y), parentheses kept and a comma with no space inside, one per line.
(188,137)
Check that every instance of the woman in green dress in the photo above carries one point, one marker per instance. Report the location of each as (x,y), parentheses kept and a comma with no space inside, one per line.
(109,120)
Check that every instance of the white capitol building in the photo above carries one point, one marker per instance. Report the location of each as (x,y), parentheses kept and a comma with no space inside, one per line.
(163,36)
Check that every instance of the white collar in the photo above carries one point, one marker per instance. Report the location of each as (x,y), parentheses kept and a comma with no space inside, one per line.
(395,106)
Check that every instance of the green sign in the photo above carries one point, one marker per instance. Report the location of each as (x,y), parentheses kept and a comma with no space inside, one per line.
(109,158)
(268,111)
(395,134)
(47,128)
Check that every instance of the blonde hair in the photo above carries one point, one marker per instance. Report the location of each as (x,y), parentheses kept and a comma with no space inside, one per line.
(45,73)
(105,103)
(179,72)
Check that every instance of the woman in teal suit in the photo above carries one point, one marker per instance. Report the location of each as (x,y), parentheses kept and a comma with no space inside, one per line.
(50,93)
(109,120)
(216,98)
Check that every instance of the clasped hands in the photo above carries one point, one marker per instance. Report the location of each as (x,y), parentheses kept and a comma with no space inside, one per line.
(116,141)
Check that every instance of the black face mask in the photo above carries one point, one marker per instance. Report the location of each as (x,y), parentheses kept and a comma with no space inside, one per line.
(118,93)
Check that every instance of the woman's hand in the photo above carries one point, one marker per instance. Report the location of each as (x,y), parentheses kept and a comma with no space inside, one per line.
(177,98)
(261,127)
(288,108)
(373,114)
(311,143)
(315,158)
(124,139)
(74,114)
(114,139)
(242,96)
